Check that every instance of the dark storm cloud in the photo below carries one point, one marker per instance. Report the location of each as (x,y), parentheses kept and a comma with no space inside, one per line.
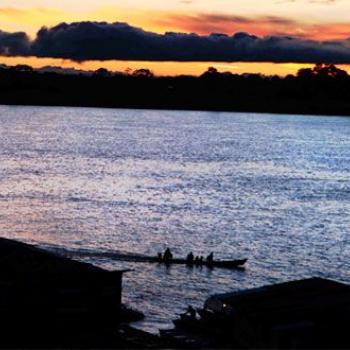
(13,44)
(103,41)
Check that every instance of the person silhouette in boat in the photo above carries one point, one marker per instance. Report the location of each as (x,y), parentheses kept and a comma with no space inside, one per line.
(190,259)
(210,259)
(168,256)
(191,312)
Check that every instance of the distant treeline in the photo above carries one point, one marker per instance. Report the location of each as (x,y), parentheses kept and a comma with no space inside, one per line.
(325,89)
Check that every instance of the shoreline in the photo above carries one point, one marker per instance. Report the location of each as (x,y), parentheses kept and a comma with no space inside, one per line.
(322,91)
(170,109)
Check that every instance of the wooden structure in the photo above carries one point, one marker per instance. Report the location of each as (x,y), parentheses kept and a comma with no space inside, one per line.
(311,313)
(46,299)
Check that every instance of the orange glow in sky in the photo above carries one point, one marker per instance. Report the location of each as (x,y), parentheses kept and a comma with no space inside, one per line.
(165,68)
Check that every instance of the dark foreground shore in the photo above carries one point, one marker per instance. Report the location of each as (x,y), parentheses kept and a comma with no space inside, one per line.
(49,301)
(322,91)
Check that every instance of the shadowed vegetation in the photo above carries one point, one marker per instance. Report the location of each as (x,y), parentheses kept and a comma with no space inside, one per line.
(325,89)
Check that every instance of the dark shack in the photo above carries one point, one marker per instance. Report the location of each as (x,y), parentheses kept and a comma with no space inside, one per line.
(46,299)
(311,313)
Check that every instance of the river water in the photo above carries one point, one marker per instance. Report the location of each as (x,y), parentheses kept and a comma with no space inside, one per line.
(272,188)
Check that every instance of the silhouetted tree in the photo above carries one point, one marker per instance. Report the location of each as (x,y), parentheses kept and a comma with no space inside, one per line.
(324,89)
(329,70)
(143,72)
(211,72)
(22,68)
(305,73)
(102,72)
(322,70)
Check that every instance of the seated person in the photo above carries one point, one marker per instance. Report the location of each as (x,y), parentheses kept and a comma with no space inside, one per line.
(167,255)
(190,313)
(190,258)
(210,258)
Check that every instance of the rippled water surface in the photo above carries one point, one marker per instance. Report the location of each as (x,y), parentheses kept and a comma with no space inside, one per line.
(273,188)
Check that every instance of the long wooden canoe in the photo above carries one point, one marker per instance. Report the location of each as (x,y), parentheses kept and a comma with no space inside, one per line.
(136,258)
(225,264)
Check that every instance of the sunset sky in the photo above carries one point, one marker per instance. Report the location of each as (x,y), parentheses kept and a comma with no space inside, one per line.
(317,20)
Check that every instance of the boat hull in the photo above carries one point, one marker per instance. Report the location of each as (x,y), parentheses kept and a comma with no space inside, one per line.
(224,264)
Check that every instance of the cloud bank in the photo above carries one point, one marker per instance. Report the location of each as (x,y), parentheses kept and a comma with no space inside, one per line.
(119,41)
(14,44)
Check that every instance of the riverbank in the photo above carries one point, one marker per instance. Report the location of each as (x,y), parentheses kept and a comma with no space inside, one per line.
(308,94)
